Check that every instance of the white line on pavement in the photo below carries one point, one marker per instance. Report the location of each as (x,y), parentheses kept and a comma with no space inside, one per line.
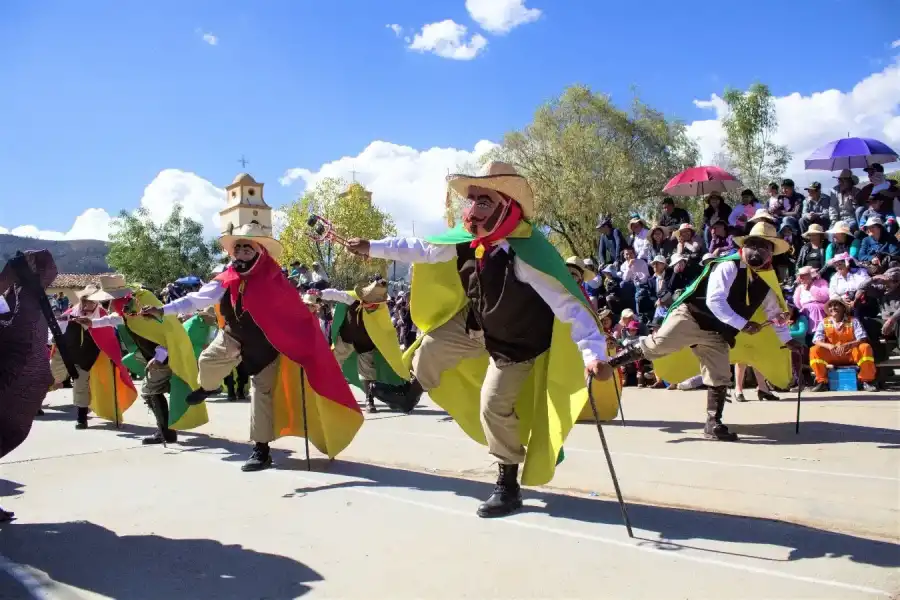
(25,579)
(693,460)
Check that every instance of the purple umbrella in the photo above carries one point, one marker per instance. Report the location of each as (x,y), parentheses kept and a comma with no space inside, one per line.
(850,153)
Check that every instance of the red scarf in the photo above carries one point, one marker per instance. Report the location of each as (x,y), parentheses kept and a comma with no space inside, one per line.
(504,229)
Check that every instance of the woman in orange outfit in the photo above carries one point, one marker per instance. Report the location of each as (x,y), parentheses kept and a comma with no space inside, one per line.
(841,340)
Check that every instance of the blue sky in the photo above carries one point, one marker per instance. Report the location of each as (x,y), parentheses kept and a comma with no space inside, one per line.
(101,96)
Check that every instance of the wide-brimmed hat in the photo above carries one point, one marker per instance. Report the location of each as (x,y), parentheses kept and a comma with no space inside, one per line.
(874,221)
(764,231)
(659,258)
(208,315)
(375,292)
(310,299)
(761,214)
(848,174)
(838,302)
(663,228)
(87,291)
(637,219)
(586,273)
(683,227)
(807,270)
(626,313)
(501,177)
(840,227)
(676,258)
(843,256)
(706,258)
(814,229)
(255,233)
(112,287)
(604,314)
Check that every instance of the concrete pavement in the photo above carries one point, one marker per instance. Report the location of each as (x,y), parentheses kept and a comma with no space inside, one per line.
(777,515)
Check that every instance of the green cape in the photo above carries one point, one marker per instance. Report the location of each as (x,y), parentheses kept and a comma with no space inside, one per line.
(763,351)
(383,340)
(553,396)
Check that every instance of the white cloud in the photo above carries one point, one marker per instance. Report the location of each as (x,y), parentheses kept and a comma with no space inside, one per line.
(895,44)
(210,39)
(501,16)
(395,28)
(870,109)
(447,39)
(407,183)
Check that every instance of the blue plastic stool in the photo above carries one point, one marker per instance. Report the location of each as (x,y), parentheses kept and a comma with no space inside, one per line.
(842,379)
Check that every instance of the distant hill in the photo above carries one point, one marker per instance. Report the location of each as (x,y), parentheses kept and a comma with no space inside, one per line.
(71,256)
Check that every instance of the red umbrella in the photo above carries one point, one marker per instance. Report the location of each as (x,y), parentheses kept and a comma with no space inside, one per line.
(699,181)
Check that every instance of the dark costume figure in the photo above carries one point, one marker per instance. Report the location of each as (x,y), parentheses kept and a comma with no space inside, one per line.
(24,370)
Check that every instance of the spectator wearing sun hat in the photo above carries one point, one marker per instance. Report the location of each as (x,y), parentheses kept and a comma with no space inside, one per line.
(842,240)
(878,248)
(843,200)
(812,254)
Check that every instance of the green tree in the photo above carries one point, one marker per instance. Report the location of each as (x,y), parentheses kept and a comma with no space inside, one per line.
(157,254)
(353,215)
(750,125)
(584,156)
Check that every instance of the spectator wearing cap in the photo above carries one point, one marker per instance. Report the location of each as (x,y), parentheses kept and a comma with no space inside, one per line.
(716,208)
(811,294)
(878,248)
(880,184)
(639,238)
(847,279)
(812,254)
(815,208)
(661,243)
(720,243)
(743,212)
(672,216)
(843,200)
(793,202)
(610,244)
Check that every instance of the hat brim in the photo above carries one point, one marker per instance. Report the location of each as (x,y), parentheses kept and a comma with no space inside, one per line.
(809,233)
(514,186)
(679,230)
(371,298)
(272,246)
(781,246)
(106,295)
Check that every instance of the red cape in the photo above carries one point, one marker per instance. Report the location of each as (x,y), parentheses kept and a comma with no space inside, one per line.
(278,310)
(108,343)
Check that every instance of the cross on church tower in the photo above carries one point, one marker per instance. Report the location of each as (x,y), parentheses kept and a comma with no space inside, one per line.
(243,161)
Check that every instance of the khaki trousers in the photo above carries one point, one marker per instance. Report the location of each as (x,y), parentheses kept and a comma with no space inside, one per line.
(156,380)
(365,362)
(81,387)
(443,349)
(680,330)
(218,360)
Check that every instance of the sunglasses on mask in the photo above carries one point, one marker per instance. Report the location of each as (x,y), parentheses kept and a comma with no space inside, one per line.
(247,247)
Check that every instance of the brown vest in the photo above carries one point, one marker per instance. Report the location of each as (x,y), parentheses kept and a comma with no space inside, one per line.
(353,330)
(81,346)
(737,300)
(256,351)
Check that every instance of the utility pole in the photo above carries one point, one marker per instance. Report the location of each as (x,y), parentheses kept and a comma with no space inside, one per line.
(414,229)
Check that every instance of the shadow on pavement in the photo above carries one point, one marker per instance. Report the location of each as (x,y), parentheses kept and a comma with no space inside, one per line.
(10,488)
(671,524)
(137,567)
(778,434)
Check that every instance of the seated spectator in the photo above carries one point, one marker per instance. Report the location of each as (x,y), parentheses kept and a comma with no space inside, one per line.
(815,208)
(810,295)
(762,215)
(775,204)
(672,216)
(879,185)
(841,340)
(793,203)
(879,207)
(660,242)
(798,325)
(594,285)
(659,292)
(743,212)
(720,243)
(688,244)
(611,243)
(681,276)
(785,263)
(812,254)
(843,200)
(716,208)
(639,238)
(628,318)
(579,272)
(878,248)
(842,242)
(877,306)
(847,279)
(633,269)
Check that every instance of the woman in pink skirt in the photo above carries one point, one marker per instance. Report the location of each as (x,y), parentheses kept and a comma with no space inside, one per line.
(810,295)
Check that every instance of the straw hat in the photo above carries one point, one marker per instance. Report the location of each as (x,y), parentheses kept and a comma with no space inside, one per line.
(676,258)
(586,273)
(840,227)
(626,314)
(637,219)
(112,287)
(761,214)
(498,176)
(765,231)
(373,293)
(659,258)
(604,314)
(208,315)
(839,302)
(255,233)
(814,229)
(873,221)
(682,227)
(87,291)
(848,174)
(706,258)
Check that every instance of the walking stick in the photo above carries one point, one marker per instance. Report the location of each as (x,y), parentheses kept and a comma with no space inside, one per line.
(115,393)
(799,389)
(612,470)
(305,425)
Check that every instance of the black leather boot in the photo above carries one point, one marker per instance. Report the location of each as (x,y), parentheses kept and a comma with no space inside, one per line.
(259,459)
(413,394)
(507,496)
(198,396)
(370,396)
(715,404)
(81,417)
(229,383)
(160,409)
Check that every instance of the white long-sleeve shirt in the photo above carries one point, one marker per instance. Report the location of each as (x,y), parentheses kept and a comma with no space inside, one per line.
(565,307)
(720,281)
(4,307)
(206,296)
(114,320)
(637,271)
(840,285)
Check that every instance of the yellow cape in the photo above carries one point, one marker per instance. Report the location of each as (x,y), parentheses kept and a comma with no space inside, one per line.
(379,327)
